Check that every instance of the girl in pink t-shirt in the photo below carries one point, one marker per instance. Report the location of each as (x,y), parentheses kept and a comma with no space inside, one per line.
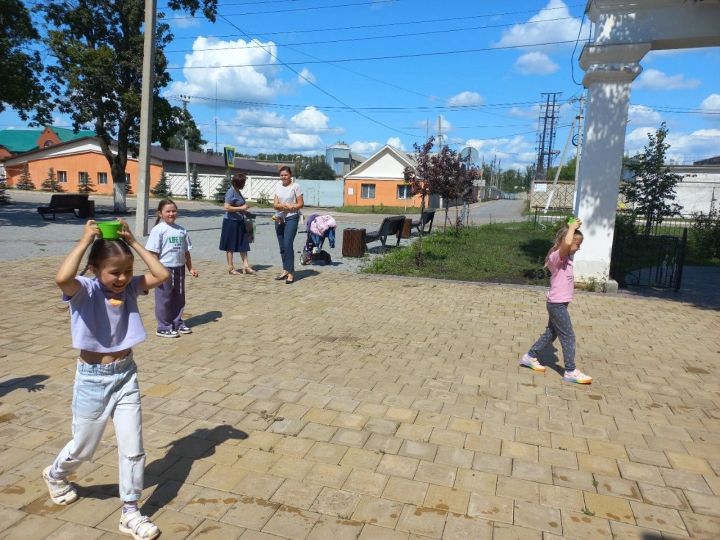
(559,261)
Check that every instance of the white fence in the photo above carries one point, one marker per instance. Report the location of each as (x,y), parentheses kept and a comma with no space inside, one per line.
(255,187)
(327,193)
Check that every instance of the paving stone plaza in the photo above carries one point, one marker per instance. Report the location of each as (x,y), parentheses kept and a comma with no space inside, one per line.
(353,406)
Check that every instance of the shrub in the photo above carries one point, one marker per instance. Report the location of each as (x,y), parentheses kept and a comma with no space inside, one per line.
(706,234)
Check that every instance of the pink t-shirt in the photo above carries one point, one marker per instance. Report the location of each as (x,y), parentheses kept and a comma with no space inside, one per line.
(561,278)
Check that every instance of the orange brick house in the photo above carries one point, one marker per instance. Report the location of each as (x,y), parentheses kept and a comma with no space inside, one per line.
(72,160)
(379,181)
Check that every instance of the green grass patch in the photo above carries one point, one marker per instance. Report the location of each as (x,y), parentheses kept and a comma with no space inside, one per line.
(501,253)
(379,209)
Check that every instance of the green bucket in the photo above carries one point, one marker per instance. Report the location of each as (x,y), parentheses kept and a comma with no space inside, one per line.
(109,230)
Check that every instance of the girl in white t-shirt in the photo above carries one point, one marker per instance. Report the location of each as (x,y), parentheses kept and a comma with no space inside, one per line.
(287,202)
(171,243)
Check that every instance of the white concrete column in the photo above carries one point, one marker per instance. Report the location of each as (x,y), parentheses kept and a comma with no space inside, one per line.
(609,72)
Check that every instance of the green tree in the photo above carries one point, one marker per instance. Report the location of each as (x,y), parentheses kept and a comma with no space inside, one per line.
(318,170)
(196,191)
(25,182)
(21,88)
(222,188)
(162,188)
(85,185)
(652,187)
(51,183)
(195,140)
(96,76)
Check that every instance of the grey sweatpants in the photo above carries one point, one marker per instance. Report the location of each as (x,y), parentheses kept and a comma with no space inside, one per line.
(559,326)
(170,300)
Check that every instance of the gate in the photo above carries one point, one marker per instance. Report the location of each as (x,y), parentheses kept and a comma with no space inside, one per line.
(648,260)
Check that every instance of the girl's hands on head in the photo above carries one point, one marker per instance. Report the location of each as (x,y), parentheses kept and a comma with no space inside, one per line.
(125,232)
(577,222)
(90,231)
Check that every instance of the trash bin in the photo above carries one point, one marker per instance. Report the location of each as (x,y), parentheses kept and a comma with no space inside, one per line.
(406,228)
(353,242)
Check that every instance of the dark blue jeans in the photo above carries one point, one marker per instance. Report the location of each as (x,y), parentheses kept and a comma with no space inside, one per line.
(286,232)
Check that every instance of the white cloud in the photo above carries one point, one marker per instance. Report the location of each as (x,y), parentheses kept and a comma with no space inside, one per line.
(256,130)
(184,22)
(541,32)
(654,79)
(465,99)
(396,143)
(306,77)
(311,119)
(684,147)
(711,103)
(535,63)
(253,83)
(640,114)
(365,148)
(529,112)
(513,152)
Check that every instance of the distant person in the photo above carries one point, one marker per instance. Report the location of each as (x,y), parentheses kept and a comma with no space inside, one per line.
(287,202)
(234,236)
(559,261)
(105,324)
(171,243)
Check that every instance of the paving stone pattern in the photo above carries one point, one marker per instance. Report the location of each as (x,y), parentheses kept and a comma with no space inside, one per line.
(362,407)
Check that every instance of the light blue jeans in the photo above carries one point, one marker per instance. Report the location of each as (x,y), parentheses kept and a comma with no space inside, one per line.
(104,391)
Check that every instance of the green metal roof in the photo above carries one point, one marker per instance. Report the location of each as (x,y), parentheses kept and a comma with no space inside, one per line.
(19,140)
(67,134)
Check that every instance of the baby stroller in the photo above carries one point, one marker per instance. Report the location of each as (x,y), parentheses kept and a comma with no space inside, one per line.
(318,228)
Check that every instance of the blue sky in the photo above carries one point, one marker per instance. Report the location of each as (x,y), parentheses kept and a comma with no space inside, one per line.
(268,62)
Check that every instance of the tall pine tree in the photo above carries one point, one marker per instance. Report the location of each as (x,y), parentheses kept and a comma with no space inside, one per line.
(162,188)
(222,188)
(196,191)
(51,183)
(85,185)
(25,182)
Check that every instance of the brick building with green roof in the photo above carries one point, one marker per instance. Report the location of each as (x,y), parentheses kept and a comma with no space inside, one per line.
(19,141)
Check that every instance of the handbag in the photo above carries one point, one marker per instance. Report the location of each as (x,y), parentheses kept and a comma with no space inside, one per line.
(250,229)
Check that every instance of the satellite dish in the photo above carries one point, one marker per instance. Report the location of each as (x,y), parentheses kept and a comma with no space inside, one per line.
(469,154)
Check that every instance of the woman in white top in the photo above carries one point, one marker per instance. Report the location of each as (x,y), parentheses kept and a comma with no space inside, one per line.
(287,202)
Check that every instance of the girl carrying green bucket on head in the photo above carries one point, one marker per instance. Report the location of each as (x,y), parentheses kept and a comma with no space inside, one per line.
(559,261)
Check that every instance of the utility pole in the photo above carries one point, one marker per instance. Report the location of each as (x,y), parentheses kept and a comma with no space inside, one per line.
(439,133)
(146,107)
(186,100)
(216,102)
(547,128)
(579,119)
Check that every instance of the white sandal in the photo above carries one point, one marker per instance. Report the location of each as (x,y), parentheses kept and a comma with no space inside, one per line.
(61,492)
(139,526)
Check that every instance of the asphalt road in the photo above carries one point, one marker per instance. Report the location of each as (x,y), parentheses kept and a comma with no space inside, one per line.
(24,234)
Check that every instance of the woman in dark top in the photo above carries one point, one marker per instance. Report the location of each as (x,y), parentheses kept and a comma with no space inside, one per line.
(233,236)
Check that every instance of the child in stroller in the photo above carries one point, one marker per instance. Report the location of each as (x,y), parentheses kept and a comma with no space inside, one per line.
(318,228)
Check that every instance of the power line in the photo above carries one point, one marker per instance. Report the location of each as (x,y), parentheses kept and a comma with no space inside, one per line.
(393,24)
(369,38)
(315,85)
(386,57)
(311,8)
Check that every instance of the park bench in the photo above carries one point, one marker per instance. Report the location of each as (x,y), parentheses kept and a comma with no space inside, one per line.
(389,226)
(65,203)
(426,217)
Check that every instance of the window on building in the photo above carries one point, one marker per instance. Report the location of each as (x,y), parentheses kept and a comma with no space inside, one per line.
(83,177)
(403,192)
(102,178)
(367,191)
(127,177)
(62,176)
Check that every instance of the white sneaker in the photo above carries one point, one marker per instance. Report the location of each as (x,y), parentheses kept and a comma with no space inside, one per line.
(577,376)
(61,492)
(532,363)
(167,333)
(137,525)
